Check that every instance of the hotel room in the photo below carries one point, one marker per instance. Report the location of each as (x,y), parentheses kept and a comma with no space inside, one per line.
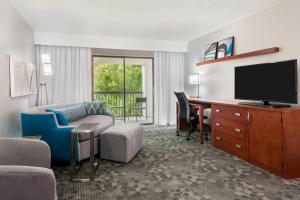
(141,99)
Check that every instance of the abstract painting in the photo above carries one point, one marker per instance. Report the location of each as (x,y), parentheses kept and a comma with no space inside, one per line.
(22,77)
(211,51)
(225,47)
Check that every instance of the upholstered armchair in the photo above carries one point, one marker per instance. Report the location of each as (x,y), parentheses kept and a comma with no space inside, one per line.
(25,170)
(57,137)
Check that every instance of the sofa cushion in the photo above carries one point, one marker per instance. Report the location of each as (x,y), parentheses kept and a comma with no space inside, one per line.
(72,113)
(103,120)
(95,107)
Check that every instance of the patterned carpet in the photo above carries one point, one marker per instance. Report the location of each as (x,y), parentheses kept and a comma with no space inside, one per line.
(170,167)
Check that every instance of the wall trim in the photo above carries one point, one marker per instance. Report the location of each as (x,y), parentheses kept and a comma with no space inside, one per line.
(92,41)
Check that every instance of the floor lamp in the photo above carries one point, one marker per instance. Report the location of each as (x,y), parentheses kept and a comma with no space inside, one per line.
(194,79)
(43,86)
(47,71)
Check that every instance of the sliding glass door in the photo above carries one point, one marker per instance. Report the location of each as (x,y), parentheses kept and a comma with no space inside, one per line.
(126,84)
(108,83)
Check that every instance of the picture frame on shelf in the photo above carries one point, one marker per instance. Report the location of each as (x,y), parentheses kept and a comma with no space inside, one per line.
(210,52)
(225,47)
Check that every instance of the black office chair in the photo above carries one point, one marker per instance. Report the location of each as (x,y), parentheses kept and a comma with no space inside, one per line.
(186,114)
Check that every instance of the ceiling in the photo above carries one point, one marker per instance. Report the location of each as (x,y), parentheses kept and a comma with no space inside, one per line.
(173,20)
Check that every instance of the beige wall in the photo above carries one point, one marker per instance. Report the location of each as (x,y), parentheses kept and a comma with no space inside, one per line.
(278,26)
(16,38)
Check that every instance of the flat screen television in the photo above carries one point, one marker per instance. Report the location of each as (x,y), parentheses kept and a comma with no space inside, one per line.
(267,82)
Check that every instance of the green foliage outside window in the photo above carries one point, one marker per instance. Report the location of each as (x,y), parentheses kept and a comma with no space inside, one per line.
(109,86)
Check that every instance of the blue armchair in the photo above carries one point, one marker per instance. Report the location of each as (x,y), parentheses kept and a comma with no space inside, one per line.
(57,137)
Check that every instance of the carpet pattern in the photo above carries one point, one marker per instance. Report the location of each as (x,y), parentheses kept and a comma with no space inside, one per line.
(169,167)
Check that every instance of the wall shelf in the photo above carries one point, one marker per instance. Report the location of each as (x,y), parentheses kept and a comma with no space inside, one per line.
(243,55)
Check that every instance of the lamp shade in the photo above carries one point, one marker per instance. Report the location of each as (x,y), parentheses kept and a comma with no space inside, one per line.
(194,79)
(47,67)
(45,58)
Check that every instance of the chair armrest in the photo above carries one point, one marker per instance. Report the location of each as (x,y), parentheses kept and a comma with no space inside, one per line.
(59,140)
(69,126)
(24,152)
(22,182)
(111,114)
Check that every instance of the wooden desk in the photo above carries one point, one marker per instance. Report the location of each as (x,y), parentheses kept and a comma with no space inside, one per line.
(264,136)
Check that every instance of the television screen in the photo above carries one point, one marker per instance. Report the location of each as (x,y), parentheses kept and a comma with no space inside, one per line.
(269,82)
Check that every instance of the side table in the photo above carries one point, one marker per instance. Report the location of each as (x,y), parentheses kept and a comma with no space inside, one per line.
(85,128)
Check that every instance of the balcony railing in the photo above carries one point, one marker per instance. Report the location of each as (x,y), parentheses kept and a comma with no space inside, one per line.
(115,101)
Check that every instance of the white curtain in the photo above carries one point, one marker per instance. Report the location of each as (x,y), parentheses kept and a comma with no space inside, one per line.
(71,79)
(168,77)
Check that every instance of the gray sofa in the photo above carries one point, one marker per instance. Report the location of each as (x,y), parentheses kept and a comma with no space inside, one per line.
(25,170)
(106,120)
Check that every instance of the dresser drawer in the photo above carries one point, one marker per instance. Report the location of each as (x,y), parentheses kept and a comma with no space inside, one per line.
(231,113)
(234,128)
(231,144)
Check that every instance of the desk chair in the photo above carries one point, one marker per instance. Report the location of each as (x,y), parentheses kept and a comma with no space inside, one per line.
(185,113)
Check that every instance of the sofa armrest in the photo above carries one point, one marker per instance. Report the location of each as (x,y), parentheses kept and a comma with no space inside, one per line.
(22,182)
(111,114)
(24,152)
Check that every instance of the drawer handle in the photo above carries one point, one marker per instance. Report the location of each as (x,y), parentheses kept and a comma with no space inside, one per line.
(218,124)
(237,114)
(237,130)
(218,138)
(238,146)
(218,110)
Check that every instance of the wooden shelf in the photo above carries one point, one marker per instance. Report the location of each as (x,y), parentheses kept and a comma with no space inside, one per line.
(243,55)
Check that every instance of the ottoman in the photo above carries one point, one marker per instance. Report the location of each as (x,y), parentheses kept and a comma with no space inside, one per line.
(121,142)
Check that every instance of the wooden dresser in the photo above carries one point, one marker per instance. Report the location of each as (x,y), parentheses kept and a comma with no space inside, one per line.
(266,137)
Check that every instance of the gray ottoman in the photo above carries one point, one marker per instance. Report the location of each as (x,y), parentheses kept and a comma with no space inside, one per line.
(121,142)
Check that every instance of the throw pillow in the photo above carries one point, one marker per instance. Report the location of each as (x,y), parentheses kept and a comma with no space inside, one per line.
(75,113)
(95,107)
(61,119)
(72,113)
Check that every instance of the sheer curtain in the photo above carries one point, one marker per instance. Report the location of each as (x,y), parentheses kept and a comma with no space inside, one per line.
(71,79)
(168,77)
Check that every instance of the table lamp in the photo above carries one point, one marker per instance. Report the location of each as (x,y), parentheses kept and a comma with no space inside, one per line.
(194,79)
